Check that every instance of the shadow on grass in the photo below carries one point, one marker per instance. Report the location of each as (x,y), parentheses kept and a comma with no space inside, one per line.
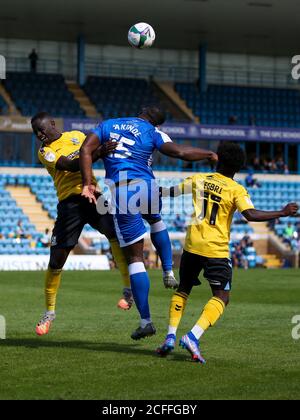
(133,348)
(80,345)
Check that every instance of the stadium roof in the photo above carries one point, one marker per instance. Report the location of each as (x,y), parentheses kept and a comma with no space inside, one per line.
(239,26)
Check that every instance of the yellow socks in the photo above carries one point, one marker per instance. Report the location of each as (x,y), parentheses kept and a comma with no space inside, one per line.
(51,287)
(177,308)
(121,261)
(212,311)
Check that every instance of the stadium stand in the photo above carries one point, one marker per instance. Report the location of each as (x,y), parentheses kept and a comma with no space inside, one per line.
(243,105)
(289,231)
(120,97)
(42,187)
(32,93)
(270,195)
(17,234)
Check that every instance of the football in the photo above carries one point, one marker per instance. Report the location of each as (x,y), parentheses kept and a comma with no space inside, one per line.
(141,35)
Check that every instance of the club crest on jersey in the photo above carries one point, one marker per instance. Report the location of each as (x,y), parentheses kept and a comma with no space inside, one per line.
(50,157)
(75,141)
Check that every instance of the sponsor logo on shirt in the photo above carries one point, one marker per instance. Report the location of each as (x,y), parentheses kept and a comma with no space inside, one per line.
(73,155)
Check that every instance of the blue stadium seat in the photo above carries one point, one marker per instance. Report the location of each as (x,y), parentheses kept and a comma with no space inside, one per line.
(33,93)
(271,107)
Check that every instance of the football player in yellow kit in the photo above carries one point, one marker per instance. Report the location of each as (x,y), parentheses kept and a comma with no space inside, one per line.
(216,196)
(59,154)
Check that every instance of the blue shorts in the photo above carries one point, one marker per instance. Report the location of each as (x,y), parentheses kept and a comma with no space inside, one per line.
(133,203)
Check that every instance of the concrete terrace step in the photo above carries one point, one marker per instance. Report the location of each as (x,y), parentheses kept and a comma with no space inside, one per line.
(83,99)
(31,207)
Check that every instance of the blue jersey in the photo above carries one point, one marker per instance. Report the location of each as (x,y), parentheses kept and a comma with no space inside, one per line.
(137,140)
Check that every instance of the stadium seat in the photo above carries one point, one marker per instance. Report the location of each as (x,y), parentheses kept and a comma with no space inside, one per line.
(120,97)
(32,93)
(263,106)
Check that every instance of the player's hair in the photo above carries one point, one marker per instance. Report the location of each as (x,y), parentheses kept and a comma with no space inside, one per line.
(40,116)
(231,156)
(154,114)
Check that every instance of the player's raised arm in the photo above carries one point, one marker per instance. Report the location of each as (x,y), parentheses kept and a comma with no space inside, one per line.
(164,144)
(73,165)
(187,153)
(253,215)
(90,149)
(89,146)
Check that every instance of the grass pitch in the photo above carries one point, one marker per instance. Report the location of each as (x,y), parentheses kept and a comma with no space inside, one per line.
(89,353)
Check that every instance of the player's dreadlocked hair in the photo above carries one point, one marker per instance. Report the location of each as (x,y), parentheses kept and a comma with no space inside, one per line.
(231,156)
(154,114)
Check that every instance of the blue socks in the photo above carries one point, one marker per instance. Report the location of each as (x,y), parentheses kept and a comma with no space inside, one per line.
(140,286)
(161,240)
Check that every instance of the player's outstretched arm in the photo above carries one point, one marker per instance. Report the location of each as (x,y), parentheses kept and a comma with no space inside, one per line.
(72,165)
(88,147)
(253,215)
(87,151)
(187,153)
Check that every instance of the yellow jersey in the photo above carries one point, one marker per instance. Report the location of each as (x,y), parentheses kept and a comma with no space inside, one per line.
(68,145)
(215,199)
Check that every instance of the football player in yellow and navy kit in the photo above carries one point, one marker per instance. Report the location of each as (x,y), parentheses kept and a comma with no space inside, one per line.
(216,197)
(59,153)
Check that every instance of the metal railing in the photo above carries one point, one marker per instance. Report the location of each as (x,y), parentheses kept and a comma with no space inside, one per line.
(137,70)
(215,74)
(234,75)
(240,76)
(43,65)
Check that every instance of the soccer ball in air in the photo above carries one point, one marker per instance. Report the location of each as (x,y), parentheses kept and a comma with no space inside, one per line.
(141,35)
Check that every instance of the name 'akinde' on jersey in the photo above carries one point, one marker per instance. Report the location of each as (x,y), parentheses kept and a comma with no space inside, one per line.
(127,127)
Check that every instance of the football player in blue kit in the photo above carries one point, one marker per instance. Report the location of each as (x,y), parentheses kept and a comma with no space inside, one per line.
(135,194)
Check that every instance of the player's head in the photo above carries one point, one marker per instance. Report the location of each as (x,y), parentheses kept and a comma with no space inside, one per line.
(153,114)
(231,158)
(43,126)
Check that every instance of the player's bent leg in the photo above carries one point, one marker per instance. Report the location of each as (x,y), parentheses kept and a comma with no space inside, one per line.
(140,285)
(161,240)
(218,272)
(126,301)
(130,230)
(58,258)
(105,225)
(223,295)
(212,312)
(190,267)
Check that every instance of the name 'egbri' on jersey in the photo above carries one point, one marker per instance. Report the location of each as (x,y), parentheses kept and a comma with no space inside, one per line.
(214,204)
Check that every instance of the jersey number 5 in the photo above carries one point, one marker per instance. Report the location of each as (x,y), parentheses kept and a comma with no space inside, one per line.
(121,151)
